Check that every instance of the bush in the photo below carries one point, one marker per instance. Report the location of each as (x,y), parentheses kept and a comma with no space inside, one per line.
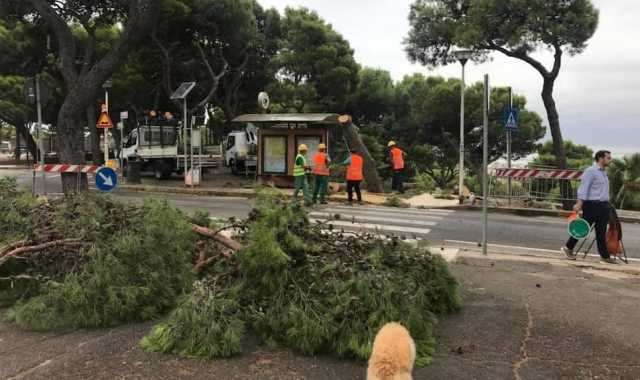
(424,183)
(395,201)
(15,211)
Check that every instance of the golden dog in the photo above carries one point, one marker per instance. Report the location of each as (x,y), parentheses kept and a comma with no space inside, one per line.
(394,352)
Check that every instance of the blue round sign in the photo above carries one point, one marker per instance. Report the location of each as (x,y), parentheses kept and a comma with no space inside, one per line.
(106,179)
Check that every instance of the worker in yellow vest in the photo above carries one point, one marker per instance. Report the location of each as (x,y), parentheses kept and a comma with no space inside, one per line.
(396,156)
(321,163)
(299,175)
(354,175)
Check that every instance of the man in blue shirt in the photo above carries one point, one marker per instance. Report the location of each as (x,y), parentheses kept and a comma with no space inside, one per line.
(593,201)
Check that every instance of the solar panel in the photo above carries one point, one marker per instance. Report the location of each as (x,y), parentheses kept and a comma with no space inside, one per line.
(184,90)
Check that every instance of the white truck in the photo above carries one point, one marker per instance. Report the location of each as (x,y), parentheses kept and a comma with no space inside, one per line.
(160,148)
(240,149)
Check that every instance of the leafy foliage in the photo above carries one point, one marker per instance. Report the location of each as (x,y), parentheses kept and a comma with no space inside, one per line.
(136,267)
(310,291)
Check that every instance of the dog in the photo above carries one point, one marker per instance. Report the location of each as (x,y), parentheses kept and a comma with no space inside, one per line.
(393,354)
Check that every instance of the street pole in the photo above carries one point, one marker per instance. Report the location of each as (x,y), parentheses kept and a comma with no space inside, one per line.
(39,134)
(184,134)
(106,139)
(509,147)
(485,159)
(463,61)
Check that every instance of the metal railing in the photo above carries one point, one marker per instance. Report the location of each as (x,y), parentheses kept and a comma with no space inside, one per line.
(533,184)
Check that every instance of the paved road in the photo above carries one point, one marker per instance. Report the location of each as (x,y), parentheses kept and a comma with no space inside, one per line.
(432,225)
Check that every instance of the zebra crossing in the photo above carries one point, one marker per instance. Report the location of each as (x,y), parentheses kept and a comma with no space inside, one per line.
(407,224)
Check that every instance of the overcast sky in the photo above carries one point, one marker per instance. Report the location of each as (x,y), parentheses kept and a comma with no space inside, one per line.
(597,93)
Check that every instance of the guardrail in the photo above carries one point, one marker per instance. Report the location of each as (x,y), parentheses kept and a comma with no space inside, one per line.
(552,185)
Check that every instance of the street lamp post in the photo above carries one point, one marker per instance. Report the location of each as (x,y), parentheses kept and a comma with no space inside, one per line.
(462,56)
(106,85)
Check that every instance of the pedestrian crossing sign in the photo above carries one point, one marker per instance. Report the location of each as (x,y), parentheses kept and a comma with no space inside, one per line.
(511,119)
(104,121)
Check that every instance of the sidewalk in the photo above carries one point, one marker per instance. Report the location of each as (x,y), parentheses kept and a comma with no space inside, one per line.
(523,317)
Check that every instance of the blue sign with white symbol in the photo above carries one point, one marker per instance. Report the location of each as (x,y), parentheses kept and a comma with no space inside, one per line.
(510,117)
(106,179)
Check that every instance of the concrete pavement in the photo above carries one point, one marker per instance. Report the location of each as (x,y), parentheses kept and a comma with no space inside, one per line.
(523,317)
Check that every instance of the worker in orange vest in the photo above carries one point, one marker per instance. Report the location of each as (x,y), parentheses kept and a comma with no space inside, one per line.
(321,163)
(396,156)
(355,163)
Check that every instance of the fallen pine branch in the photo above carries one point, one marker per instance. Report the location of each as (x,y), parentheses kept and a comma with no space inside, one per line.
(226,241)
(12,246)
(41,247)
(25,277)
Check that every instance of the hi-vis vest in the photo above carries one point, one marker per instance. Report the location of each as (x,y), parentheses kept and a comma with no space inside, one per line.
(398,160)
(298,170)
(320,164)
(354,170)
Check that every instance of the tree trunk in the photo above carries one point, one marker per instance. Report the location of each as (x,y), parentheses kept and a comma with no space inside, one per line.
(556,134)
(71,147)
(370,170)
(96,155)
(16,149)
(554,123)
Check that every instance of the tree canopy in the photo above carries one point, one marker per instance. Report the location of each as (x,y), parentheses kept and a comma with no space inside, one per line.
(515,28)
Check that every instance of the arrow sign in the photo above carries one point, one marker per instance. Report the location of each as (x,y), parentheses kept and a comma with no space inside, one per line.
(104,121)
(106,179)
(510,117)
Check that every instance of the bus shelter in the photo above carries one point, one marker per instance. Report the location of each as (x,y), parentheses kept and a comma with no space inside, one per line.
(279,136)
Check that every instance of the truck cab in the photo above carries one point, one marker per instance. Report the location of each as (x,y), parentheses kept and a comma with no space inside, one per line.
(240,148)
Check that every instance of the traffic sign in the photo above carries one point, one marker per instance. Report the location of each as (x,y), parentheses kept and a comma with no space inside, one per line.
(510,117)
(104,121)
(106,179)
(124,115)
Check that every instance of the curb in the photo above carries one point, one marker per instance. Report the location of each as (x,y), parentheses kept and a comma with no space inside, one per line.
(630,269)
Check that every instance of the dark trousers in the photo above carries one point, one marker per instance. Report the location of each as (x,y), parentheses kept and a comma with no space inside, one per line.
(320,187)
(354,185)
(598,213)
(396,182)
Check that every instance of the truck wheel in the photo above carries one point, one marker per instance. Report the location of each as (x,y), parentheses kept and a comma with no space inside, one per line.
(233,164)
(125,169)
(162,170)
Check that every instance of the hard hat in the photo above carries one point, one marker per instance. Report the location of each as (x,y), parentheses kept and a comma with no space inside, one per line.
(391,143)
(303,148)
(322,146)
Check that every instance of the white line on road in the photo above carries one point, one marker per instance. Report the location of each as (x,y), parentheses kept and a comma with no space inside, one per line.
(372,219)
(379,227)
(394,210)
(379,213)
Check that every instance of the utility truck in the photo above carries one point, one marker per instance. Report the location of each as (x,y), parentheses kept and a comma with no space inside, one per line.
(240,149)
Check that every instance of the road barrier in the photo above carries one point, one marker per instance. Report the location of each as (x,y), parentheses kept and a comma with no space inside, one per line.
(67,168)
(531,184)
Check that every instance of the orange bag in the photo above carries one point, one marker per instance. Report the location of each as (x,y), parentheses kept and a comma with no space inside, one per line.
(613,241)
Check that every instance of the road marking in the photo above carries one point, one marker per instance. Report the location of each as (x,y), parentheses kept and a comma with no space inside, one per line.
(372,219)
(395,210)
(380,228)
(386,215)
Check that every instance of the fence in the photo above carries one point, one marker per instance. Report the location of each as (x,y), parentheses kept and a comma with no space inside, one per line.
(539,185)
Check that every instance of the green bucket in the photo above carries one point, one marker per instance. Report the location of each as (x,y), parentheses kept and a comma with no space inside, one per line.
(579,228)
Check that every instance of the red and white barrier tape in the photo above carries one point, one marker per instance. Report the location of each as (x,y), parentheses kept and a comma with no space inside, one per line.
(66,168)
(538,174)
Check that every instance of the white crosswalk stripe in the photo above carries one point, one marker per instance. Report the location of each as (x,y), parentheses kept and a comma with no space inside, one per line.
(385,221)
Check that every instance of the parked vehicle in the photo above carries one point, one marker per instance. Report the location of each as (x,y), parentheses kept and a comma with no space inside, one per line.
(160,148)
(240,149)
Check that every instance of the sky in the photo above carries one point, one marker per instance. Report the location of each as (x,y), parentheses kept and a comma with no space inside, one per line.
(597,92)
